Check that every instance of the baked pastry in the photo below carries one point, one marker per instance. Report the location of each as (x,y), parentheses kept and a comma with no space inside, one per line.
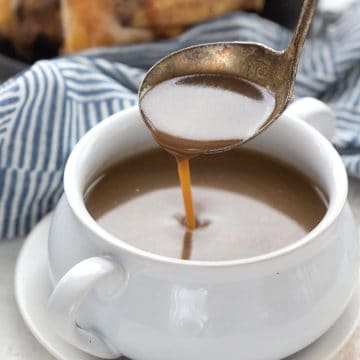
(89,23)
(42,28)
(33,26)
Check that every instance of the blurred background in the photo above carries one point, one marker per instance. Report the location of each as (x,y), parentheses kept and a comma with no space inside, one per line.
(40,29)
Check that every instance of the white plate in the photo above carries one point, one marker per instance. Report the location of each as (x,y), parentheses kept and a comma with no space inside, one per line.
(33,287)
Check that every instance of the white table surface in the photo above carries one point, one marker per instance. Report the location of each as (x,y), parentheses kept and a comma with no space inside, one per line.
(17,343)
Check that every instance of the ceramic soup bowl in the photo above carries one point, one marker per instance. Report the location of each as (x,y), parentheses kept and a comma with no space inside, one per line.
(111,298)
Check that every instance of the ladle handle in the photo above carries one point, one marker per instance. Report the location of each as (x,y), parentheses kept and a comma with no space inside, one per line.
(301,31)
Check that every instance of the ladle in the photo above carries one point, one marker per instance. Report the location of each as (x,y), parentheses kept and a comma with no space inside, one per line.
(275,70)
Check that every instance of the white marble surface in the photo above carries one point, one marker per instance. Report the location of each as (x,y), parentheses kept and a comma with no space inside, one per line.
(17,343)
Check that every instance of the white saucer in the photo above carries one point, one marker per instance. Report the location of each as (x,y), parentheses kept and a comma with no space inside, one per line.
(33,286)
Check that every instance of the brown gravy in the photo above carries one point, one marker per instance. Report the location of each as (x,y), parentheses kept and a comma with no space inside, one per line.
(246,204)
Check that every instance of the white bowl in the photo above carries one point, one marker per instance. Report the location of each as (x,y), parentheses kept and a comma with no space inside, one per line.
(111,298)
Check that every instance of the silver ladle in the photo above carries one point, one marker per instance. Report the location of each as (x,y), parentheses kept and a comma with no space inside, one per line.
(275,70)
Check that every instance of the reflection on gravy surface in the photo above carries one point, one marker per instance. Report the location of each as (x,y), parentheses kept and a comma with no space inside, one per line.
(246,204)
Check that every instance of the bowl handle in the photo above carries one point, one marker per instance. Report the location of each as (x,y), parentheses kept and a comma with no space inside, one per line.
(315,113)
(70,293)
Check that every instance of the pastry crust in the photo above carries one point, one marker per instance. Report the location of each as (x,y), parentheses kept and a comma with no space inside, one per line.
(30,24)
(89,23)
(36,25)
(92,23)
(153,13)
(7,18)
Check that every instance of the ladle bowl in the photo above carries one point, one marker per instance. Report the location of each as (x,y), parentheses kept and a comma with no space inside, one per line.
(274,70)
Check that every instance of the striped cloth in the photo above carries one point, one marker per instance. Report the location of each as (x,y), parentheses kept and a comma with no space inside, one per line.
(45,110)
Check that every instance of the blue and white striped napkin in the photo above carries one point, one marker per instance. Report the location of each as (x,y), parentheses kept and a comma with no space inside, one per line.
(45,110)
